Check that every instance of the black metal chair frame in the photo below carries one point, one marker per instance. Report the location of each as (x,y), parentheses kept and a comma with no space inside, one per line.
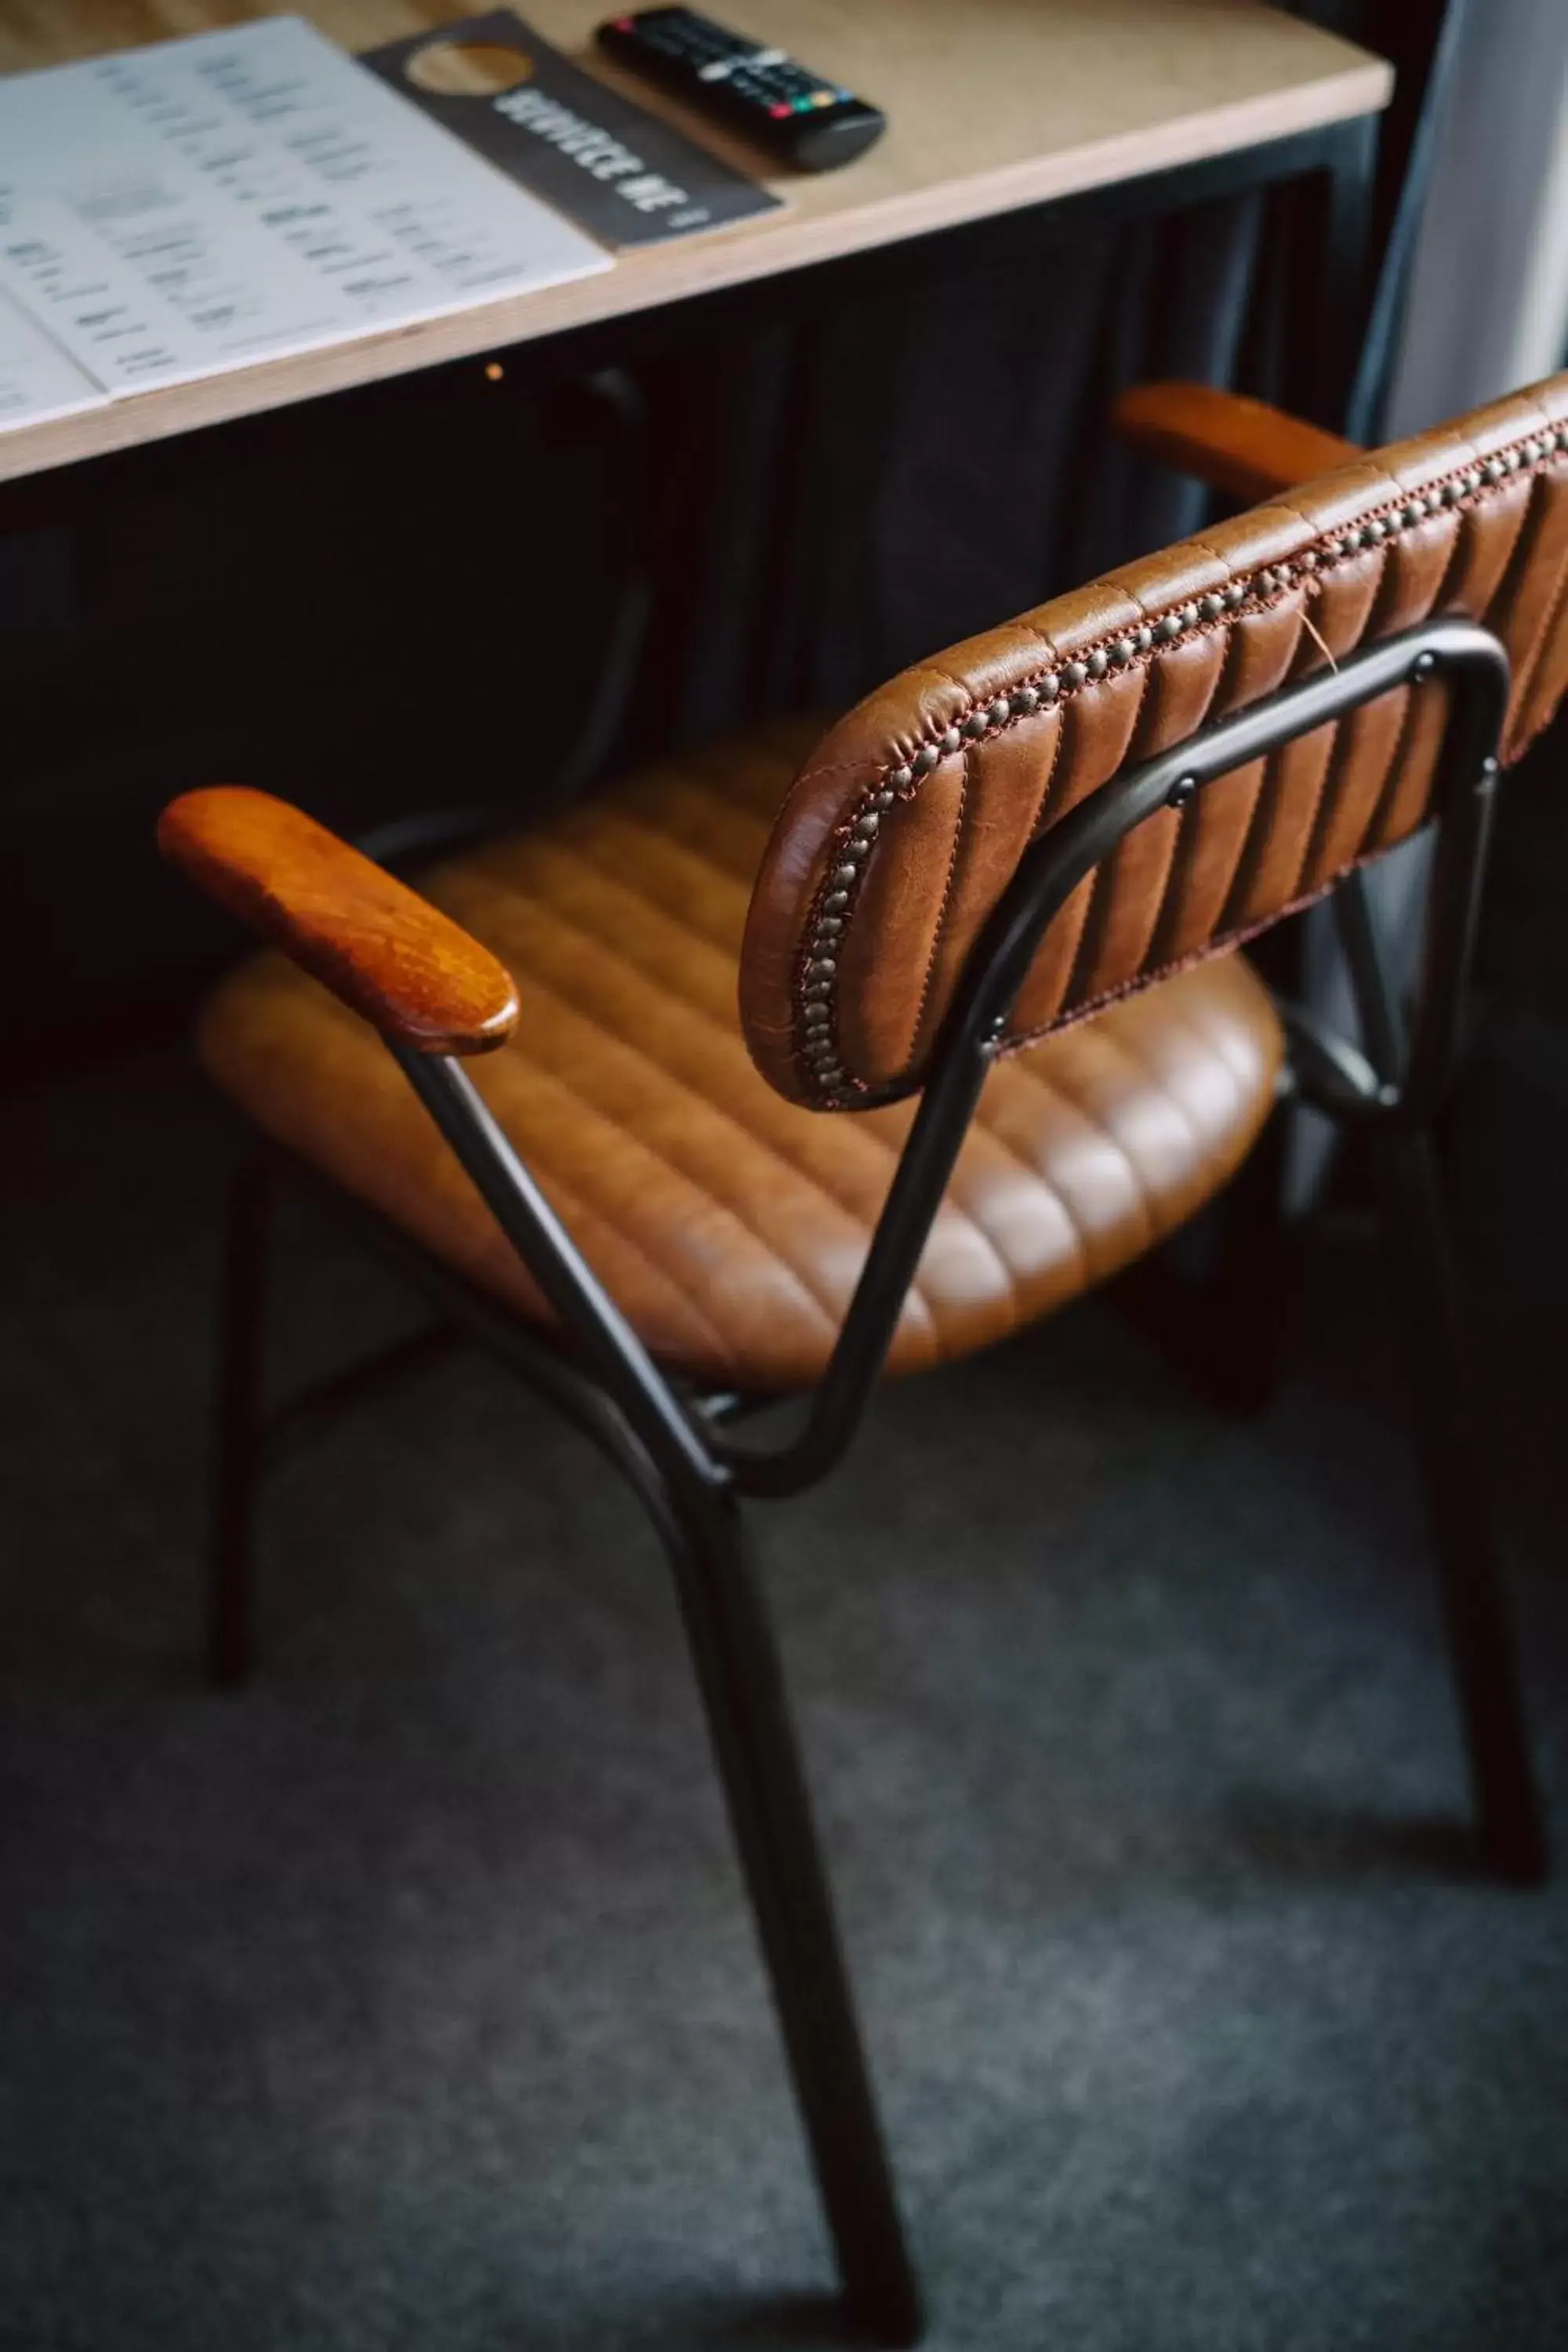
(685,1455)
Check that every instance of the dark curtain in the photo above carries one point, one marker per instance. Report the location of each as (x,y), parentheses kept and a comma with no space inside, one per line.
(936,462)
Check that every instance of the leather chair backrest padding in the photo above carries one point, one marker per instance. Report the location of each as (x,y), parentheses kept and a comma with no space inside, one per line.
(906,821)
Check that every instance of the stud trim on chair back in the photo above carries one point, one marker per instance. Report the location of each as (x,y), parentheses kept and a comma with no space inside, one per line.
(905,825)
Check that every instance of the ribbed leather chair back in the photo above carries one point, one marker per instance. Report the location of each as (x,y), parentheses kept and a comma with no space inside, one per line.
(904,827)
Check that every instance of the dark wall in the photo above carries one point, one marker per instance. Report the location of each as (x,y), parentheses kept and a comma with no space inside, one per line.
(368,617)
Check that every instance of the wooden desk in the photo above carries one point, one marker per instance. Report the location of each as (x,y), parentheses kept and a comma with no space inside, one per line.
(993,106)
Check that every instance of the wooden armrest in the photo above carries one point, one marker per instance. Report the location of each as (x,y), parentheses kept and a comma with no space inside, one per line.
(412,971)
(1228,441)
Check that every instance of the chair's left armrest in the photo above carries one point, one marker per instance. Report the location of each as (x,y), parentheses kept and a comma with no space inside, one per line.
(1233,444)
(414,973)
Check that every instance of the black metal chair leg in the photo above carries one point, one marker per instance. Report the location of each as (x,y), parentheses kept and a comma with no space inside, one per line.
(1246,1314)
(237,1435)
(741,1683)
(1480,1634)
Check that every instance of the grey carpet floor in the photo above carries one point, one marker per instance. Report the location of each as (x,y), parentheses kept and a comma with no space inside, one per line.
(408,2000)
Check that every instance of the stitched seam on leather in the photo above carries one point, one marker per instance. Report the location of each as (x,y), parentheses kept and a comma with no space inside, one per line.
(619,866)
(1049,643)
(844,1090)
(692,1184)
(674,786)
(1102,883)
(1530,668)
(745,870)
(954,1207)
(1067,732)
(572,846)
(1052,764)
(1172,897)
(728,1035)
(1084,1266)
(1201,1140)
(1184,1017)
(1234,655)
(1533,522)
(1207,547)
(1526,524)
(968,1217)
(722,1346)
(1157,1083)
(1056,1091)
(575,1212)
(942,910)
(1383,595)
(1444,592)
(659,979)
(1257,1054)
(576,1216)
(1340,752)
(1373,831)
(1043,797)
(604,951)
(630,887)
(1019,1159)
(1182,850)
(1100,1127)
(1243,871)
(583,846)
(1173,904)
(948,1207)
(1542,646)
(1178,881)
(722,1341)
(670,1079)
(1244,1082)
(1500,584)
(1188,963)
(1231,1143)
(607,949)
(1242,867)
(1348,733)
(1097,1126)
(1312,816)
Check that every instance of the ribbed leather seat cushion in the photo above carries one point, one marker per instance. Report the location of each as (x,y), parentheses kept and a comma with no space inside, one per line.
(729,1223)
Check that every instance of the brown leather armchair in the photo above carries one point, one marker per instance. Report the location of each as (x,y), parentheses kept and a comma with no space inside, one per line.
(994,1041)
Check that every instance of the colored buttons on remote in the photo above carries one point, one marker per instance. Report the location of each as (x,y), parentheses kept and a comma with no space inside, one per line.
(798,116)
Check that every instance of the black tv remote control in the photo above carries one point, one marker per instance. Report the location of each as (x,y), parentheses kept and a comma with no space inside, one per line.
(800,117)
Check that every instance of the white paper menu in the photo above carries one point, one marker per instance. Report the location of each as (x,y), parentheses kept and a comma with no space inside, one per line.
(169,211)
(36,379)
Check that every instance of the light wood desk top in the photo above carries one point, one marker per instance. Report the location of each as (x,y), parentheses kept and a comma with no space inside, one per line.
(992,105)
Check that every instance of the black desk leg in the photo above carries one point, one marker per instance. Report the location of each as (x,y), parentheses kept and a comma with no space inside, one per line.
(1340,375)
(1333,375)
